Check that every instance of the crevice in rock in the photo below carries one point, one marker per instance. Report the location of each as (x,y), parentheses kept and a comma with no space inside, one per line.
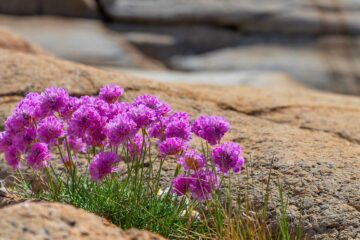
(259,112)
(337,134)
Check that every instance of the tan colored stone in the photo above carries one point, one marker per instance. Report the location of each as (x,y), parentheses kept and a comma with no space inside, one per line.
(53,221)
(313,136)
(142,235)
(42,220)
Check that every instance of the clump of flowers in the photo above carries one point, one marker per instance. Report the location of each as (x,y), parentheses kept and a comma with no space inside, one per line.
(108,132)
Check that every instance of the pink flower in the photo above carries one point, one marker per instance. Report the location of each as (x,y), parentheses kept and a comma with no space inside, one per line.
(49,130)
(111,93)
(24,139)
(203,184)
(142,115)
(83,119)
(180,185)
(120,129)
(102,165)
(30,105)
(228,156)
(17,123)
(53,100)
(191,160)
(210,128)
(178,125)
(171,146)
(38,156)
(160,108)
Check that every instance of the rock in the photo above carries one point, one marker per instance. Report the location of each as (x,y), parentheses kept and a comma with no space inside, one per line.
(44,220)
(7,199)
(134,234)
(86,41)
(163,41)
(326,64)
(313,138)
(12,41)
(69,8)
(264,79)
(280,16)
(19,7)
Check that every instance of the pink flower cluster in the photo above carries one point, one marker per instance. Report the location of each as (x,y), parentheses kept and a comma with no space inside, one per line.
(113,131)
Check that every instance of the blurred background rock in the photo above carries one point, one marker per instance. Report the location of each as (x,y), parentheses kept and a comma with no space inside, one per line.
(266,43)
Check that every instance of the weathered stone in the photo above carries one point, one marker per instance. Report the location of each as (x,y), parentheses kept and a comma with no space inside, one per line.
(134,234)
(327,64)
(291,17)
(12,41)
(272,80)
(81,40)
(313,137)
(35,221)
(70,8)
(163,41)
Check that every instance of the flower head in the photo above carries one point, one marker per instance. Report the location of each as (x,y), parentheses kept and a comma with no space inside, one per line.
(210,128)
(152,102)
(49,130)
(111,93)
(84,118)
(17,123)
(102,165)
(38,155)
(180,185)
(191,160)
(118,108)
(142,115)
(120,129)
(69,108)
(12,157)
(23,139)
(228,156)
(101,106)
(30,105)
(178,125)
(202,185)
(171,146)
(53,100)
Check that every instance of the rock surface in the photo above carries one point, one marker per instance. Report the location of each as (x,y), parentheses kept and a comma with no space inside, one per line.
(314,137)
(327,64)
(12,41)
(82,40)
(70,8)
(164,41)
(261,79)
(281,16)
(294,37)
(40,221)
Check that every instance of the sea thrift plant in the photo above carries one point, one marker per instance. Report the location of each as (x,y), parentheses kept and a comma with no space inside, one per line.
(109,130)
(110,143)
